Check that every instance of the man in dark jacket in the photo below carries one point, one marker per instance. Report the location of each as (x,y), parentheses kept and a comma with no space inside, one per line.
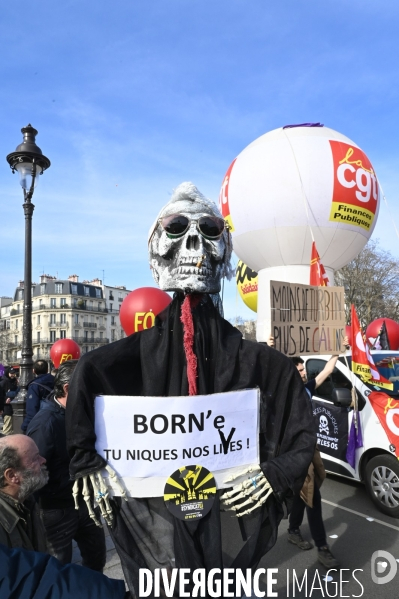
(22,472)
(8,391)
(63,523)
(31,575)
(39,388)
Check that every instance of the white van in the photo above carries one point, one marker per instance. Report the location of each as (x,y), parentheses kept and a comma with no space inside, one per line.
(376,463)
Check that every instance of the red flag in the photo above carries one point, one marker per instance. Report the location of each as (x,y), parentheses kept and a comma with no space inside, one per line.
(387,410)
(362,362)
(318,275)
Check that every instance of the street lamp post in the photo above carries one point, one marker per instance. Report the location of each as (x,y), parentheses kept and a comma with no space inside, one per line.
(29,161)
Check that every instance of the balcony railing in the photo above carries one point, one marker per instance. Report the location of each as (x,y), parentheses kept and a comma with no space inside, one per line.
(68,307)
(44,340)
(90,325)
(90,341)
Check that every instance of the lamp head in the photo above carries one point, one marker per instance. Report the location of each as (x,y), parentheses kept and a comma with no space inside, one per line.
(28,158)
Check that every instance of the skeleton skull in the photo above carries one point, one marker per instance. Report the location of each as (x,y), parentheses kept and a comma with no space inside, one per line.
(323,425)
(190,262)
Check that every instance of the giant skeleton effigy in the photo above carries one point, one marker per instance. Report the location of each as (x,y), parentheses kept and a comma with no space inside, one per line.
(192,350)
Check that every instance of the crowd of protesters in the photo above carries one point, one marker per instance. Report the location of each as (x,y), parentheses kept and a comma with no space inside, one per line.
(38,519)
(38,516)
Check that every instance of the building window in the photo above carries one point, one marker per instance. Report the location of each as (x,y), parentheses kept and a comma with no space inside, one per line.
(63,302)
(74,289)
(52,336)
(110,307)
(98,292)
(37,352)
(18,308)
(87,291)
(112,319)
(111,297)
(62,334)
(101,335)
(8,325)
(99,306)
(38,336)
(16,324)
(113,334)
(43,289)
(16,339)
(85,349)
(53,302)
(77,334)
(58,287)
(38,319)
(92,335)
(75,302)
(76,318)
(20,294)
(91,305)
(86,335)
(63,319)
(41,305)
(52,319)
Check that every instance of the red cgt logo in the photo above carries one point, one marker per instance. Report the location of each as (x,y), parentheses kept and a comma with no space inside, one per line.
(355,192)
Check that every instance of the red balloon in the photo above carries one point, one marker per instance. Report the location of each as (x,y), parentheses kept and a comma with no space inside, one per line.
(64,350)
(392,326)
(139,308)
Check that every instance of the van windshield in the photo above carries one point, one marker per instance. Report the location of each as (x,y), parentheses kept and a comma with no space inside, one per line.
(388,366)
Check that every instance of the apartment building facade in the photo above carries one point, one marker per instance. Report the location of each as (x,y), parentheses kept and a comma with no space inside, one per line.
(87,312)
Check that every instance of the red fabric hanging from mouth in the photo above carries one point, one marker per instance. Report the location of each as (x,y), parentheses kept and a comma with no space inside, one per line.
(189,303)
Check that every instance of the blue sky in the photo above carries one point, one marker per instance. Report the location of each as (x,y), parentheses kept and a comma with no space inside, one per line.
(131,98)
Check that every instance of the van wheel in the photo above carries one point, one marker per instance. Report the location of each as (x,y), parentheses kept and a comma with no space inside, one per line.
(382,483)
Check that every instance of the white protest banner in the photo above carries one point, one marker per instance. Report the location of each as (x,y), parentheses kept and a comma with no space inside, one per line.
(145,439)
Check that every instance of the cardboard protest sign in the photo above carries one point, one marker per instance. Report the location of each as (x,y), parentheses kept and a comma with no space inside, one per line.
(145,439)
(306,319)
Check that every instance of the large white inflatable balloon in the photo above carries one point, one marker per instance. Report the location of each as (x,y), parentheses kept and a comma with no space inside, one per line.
(292,181)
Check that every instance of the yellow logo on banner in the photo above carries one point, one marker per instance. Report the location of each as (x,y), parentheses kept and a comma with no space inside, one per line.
(143,319)
(349,214)
(65,358)
(389,406)
(364,373)
(247,284)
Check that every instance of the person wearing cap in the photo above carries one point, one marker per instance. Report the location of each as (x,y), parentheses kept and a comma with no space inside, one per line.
(8,391)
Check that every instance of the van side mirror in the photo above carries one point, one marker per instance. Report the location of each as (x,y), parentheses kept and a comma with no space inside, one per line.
(342,397)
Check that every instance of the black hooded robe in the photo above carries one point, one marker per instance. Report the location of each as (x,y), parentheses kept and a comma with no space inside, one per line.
(153,363)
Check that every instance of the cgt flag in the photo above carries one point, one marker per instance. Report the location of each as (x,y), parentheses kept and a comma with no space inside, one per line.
(362,362)
(387,410)
(318,275)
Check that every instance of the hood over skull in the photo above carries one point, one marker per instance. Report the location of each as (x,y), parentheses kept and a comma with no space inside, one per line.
(190,263)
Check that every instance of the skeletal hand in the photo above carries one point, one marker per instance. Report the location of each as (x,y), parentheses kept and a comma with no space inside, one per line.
(255,490)
(101,494)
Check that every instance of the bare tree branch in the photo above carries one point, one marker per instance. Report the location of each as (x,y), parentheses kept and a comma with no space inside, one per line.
(371,282)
